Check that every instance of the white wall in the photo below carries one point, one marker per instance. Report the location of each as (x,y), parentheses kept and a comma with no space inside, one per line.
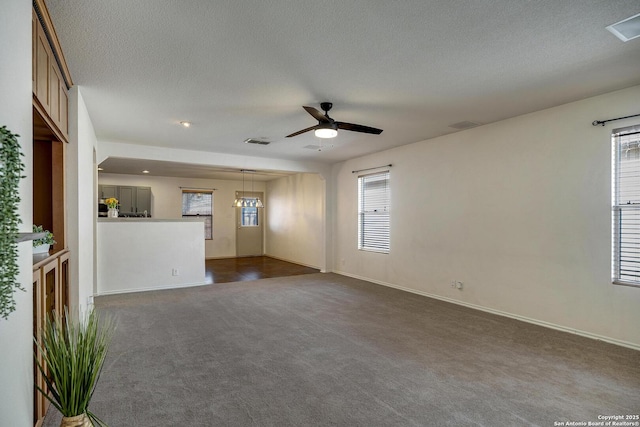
(80,201)
(295,207)
(166,203)
(140,255)
(518,210)
(16,345)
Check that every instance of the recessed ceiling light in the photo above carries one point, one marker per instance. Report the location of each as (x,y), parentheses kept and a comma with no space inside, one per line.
(627,29)
(185,124)
(145,171)
(100,169)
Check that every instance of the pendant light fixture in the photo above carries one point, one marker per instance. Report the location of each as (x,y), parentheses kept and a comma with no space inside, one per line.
(255,200)
(247,202)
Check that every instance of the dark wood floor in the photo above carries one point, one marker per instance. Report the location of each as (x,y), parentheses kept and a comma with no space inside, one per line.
(251,268)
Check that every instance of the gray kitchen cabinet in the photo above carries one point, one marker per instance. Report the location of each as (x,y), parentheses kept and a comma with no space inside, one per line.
(143,200)
(131,199)
(127,199)
(107,191)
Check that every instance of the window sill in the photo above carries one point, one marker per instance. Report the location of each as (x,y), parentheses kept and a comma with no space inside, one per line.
(623,283)
(373,250)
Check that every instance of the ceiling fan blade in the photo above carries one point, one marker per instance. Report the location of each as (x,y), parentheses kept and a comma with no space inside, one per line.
(302,131)
(358,128)
(317,115)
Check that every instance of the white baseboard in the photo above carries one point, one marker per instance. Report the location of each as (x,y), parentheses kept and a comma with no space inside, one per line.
(154,288)
(499,312)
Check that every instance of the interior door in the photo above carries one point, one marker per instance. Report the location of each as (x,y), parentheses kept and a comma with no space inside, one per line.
(249,229)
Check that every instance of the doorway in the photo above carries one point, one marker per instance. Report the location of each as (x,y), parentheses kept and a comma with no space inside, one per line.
(249,227)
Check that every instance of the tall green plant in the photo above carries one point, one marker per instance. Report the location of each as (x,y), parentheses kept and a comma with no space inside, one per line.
(11,168)
(73,351)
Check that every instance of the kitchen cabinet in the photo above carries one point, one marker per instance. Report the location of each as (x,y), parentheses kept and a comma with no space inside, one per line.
(107,191)
(143,200)
(127,199)
(131,199)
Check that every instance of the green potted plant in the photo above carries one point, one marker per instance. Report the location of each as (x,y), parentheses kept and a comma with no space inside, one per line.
(12,167)
(42,244)
(73,350)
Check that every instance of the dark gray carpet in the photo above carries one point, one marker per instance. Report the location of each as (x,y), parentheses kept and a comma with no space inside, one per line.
(327,350)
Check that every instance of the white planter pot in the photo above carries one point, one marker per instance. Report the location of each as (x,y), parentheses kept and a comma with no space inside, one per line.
(42,249)
(112,213)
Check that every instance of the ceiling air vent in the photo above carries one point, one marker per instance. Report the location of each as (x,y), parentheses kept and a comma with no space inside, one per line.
(256,141)
(464,125)
(627,29)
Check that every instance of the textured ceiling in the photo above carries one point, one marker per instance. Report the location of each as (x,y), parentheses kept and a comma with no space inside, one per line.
(182,170)
(241,69)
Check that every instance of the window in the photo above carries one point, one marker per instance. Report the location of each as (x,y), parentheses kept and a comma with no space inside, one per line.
(249,215)
(626,206)
(373,212)
(199,204)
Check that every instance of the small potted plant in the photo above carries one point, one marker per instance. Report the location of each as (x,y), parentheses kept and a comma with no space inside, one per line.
(112,204)
(41,246)
(73,350)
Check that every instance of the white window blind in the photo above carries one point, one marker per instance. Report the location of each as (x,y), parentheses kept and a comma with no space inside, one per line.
(199,204)
(626,206)
(373,212)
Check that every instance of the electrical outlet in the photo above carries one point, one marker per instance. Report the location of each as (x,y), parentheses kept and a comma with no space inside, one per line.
(175,272)
(453,283)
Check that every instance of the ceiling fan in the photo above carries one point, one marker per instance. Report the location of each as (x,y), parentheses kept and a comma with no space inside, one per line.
(328,127)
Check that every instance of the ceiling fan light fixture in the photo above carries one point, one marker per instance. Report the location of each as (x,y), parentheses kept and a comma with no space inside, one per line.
(328,127)
(326,133)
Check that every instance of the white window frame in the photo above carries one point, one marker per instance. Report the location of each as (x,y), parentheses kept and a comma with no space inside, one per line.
(625,206)
(207,217)
(374,206)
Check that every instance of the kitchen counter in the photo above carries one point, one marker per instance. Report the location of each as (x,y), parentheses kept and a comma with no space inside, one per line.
(142,219)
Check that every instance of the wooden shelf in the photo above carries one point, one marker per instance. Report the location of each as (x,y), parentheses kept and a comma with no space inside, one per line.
(23,237)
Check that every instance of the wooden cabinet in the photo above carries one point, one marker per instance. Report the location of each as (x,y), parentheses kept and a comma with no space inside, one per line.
(58,100)
(50,81)
(50,292)
(63,122)
(34,39)
(42,57)
(49,88)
